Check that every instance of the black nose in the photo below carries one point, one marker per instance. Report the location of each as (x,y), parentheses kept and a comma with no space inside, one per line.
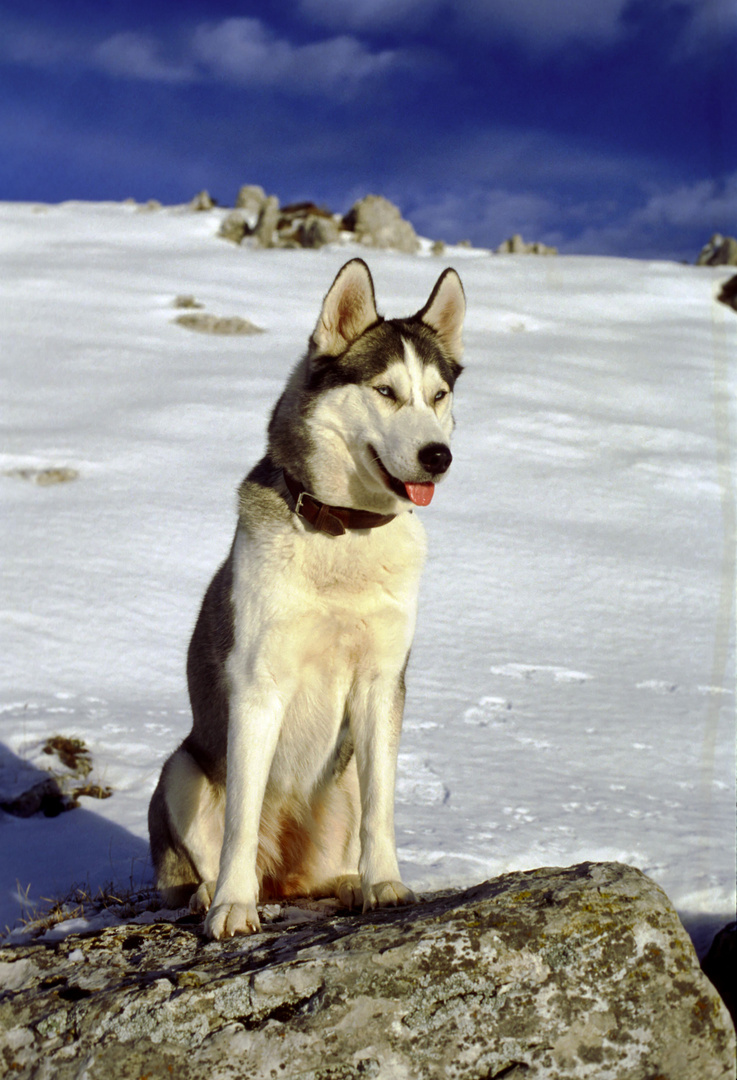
(435,457)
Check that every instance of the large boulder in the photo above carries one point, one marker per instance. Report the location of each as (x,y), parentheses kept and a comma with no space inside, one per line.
(377,222)
(316,230)
(268,219)
(236,226)
(304,224)
(720,251)
(554,974)
(250,199)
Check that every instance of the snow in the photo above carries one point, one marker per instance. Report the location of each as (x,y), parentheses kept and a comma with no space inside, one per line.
(571,689)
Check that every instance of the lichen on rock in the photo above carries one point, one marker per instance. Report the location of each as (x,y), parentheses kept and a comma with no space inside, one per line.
(556,974)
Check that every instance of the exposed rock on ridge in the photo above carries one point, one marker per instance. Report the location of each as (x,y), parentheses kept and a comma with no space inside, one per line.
(555,974)
(258,219)
(720,251)
(517,246)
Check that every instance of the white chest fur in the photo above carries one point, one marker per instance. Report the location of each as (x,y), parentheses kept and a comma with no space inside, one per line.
(316,619)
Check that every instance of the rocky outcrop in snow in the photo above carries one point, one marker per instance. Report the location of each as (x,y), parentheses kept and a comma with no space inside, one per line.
(517,246)
(557,974)
(258,219)
(720,251)
(377,222)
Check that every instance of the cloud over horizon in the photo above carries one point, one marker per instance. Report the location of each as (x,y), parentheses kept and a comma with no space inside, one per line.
(239,51)
(539,27)
(575,123)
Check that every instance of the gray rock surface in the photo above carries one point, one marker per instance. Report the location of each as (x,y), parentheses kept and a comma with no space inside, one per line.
(202,201)
(377,222)
(517,246)
(720,251)
(268,220)
(316,231)
(584,972)
(205,323)
(236,225)
(250,199)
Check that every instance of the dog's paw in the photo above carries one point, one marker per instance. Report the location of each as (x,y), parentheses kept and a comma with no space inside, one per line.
(201,901)
(387,894)
(348,890)
(226,920)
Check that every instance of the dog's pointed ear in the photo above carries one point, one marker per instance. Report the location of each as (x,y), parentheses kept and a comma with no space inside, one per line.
(444,312)
(348,309)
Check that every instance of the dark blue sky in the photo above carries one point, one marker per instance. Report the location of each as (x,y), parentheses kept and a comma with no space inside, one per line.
(602,126)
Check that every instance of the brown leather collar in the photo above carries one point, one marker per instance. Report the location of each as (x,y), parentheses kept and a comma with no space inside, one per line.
(333,520)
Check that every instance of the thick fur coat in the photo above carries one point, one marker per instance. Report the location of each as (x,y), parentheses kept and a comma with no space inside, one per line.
(285,785)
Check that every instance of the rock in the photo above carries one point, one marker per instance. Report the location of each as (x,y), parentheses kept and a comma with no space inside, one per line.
(203,201)
(379,223)
(56,787)
(186,300)
(250,199)
(438,248)
(720,966)
(217,324)
(268,220)
(728,294)
(55,474)
(235,226)
(316,231)
(296,225)
(293,213)
(517,246)
(720,251)
(45,797)
(548,975)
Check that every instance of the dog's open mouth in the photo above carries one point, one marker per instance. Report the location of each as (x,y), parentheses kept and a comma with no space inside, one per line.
(420,494)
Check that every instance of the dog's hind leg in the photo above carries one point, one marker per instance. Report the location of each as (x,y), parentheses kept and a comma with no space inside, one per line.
(330,868)
(186,827)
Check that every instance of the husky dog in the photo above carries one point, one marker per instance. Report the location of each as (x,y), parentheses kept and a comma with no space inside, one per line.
(285,785)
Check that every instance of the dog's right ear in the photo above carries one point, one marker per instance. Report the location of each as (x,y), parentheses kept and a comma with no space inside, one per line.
(348,309)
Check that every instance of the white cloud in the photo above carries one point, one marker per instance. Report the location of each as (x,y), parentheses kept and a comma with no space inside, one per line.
(134,56)
(245,51)
(539,23)
(707,204)
(540,26)
(675,221)
(241,51)
(711,23)
(487,216)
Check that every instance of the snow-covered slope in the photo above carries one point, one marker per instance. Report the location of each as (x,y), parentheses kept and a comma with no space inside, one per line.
(571,691)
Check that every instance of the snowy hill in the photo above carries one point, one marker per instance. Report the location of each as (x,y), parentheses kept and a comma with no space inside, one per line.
(571,690)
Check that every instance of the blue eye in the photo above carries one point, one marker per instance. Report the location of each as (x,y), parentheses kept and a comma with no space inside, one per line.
(386,391)
(441,394)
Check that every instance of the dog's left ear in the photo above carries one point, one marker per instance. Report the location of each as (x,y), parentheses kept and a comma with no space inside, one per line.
(348,309)
(444,312)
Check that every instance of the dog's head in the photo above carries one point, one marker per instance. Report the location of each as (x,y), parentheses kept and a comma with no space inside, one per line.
(375,395)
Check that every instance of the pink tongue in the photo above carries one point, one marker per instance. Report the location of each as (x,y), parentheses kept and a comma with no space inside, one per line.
(420,494)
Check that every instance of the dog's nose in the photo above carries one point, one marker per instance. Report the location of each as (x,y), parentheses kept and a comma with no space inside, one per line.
(435,457)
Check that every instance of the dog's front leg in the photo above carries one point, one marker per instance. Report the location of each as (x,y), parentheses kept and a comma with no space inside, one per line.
(253,730)
(376,716)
